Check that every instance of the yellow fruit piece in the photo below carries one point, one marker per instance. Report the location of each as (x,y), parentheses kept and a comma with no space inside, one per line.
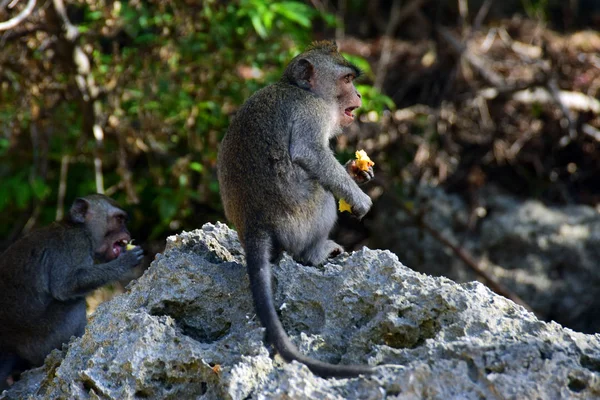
(344,206)
(363,162)
(130,246)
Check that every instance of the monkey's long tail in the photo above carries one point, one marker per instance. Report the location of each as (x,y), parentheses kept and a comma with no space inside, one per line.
(259,271)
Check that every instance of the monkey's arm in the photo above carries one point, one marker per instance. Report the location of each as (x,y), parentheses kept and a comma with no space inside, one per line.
(310,150)
(75,281)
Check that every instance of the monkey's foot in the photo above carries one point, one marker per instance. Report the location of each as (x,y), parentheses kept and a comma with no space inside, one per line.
(334,249)
(317,255)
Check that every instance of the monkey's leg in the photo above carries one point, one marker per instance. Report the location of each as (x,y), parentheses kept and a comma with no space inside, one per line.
(276,253)
(8,364)
(319,247)
(319,251)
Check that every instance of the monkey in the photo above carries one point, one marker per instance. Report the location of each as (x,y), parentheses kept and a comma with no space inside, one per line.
(45,276)
(278,179)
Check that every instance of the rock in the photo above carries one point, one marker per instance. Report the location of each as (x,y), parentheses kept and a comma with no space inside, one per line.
(549,256)
(186,329)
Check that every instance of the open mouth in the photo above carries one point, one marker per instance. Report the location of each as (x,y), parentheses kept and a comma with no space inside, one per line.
(348,111)
(119,246)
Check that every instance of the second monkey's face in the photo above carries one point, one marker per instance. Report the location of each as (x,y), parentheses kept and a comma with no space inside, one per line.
(112,236)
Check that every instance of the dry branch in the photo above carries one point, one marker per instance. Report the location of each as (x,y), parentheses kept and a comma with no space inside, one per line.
(476,61)
(62,187)
(398,14)
(481,14)
(76,60)
(16,20)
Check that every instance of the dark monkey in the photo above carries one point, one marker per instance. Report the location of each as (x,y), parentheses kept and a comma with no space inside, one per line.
(45,276)
(279,178)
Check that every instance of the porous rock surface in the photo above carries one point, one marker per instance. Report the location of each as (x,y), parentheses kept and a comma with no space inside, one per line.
(187,330)
(548,255)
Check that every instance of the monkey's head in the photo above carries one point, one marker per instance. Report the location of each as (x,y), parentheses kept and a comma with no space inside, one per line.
(322,70)
(105,222)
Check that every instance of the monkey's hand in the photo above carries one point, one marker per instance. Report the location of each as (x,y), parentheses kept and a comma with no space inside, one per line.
(361,205)
(360,176)
(131,257)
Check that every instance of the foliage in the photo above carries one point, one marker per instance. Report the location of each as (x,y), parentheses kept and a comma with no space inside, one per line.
(171,74)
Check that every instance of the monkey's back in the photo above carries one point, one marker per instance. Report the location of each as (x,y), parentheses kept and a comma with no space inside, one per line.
(256,174)
(26,304)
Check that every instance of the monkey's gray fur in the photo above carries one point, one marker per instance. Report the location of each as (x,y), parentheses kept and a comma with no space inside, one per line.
(45,276)
(279,178)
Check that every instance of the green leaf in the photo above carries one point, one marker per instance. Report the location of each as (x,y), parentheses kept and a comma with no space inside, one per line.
(361,63)
(94,15)
(134,93)
(146,38)
(258,26)
(166,208)
(22,194)
(40,189)
(268,19)
(329,19)
(196,166)
(152,105)
(4,143)
(144,21)
(296,12)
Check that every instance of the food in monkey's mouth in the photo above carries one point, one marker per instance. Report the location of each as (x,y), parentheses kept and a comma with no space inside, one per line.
(120,245)
(117,247)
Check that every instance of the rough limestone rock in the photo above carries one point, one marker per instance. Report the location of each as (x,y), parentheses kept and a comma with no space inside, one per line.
(187,330)
(549,256)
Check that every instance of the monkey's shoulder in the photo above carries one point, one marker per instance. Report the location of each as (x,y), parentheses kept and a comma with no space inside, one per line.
(283,98)
(55,233)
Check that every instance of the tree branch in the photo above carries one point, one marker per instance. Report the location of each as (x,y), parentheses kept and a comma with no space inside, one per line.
(11,23)
(398,14)
(75,59)
(477,62)
(62,187)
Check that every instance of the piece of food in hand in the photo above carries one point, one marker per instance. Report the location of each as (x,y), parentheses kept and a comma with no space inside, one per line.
(363,162)
(344,206)
(130,246)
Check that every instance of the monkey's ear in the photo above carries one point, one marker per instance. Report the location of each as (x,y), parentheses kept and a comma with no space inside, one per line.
(303,74)
(79,210)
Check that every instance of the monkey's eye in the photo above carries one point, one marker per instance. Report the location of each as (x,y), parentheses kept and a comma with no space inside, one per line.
(348,78)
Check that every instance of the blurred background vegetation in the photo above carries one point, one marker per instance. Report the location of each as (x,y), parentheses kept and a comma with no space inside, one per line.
(131,98)
(139,109)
